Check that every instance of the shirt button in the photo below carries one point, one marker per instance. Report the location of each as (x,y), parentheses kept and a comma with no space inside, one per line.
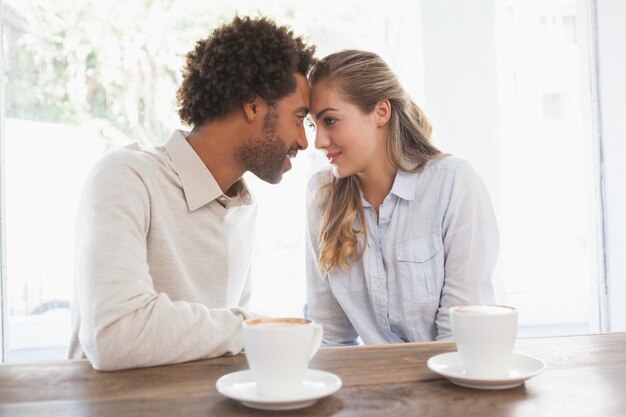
(383,321)
(378,284)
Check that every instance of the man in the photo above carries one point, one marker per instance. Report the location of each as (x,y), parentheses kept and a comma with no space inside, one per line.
(165,235)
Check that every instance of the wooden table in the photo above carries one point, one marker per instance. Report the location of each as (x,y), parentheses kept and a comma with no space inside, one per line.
(586,376)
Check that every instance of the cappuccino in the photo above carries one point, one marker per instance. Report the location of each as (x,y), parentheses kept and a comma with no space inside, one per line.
(278,352)
(269,323)
(484,309)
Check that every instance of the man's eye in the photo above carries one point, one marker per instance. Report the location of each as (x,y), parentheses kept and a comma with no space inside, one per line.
(329,121)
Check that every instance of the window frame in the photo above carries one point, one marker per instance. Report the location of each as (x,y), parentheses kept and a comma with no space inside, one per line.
(610,104)
(3,277)
(587,9)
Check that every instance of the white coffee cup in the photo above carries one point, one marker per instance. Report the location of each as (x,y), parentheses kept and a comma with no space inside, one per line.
(278,351)
(484,337)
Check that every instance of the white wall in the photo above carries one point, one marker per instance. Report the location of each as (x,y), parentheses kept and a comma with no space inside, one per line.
(611,49)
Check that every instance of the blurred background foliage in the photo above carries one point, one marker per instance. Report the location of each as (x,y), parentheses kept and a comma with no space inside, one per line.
(116,65)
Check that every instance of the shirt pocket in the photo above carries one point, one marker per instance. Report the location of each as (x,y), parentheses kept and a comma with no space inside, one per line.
(419,264)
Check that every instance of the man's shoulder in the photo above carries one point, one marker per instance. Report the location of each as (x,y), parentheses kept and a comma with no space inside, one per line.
(131,157)
(127,165)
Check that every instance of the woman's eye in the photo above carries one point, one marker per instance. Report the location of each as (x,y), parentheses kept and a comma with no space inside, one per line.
(329,121)
(310,124)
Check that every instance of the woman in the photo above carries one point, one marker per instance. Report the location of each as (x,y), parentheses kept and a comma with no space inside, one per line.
(398,232)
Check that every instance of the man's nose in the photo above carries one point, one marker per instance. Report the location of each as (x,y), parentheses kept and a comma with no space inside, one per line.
(301,139)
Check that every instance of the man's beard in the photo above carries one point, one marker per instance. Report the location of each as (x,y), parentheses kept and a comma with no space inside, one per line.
(265,156)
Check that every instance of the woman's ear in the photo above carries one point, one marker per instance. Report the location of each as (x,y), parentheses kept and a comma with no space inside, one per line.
(251,108)
(382,112)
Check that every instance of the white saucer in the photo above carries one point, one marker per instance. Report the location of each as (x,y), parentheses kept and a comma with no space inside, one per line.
(522,368)
(241,386)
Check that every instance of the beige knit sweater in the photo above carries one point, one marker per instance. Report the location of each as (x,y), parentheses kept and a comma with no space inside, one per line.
(162,260)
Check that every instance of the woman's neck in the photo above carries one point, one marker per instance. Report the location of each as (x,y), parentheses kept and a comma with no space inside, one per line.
(376,182)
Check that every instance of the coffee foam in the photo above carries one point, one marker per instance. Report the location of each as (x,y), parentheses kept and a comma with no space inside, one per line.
(272,323)
(484,309)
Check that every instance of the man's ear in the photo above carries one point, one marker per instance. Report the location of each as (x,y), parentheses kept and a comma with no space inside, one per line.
(251,108)
(382,112)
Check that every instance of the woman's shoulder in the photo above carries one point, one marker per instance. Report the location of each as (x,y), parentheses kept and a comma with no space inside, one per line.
(450,163)
(314,194)
(460,173)
(320,178)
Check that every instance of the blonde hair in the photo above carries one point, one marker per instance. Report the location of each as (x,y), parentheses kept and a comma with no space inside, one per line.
(364,79)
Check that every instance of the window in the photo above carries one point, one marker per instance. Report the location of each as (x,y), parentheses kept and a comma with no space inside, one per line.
(507,93)
(548,202)
(555,105)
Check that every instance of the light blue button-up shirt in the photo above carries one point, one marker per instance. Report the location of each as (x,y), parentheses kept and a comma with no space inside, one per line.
(433,246)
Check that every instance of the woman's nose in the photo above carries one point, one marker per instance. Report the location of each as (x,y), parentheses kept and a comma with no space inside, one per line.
(321,140)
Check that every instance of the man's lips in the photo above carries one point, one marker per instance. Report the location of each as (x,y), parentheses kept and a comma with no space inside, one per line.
(332,156)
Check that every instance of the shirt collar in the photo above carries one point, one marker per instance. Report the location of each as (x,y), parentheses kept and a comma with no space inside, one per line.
(199,186)
(404,185)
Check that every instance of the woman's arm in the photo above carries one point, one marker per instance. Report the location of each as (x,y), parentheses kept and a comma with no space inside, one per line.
(322,304)
(471,245)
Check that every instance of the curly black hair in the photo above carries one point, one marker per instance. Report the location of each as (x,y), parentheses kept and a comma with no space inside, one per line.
(244,57)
